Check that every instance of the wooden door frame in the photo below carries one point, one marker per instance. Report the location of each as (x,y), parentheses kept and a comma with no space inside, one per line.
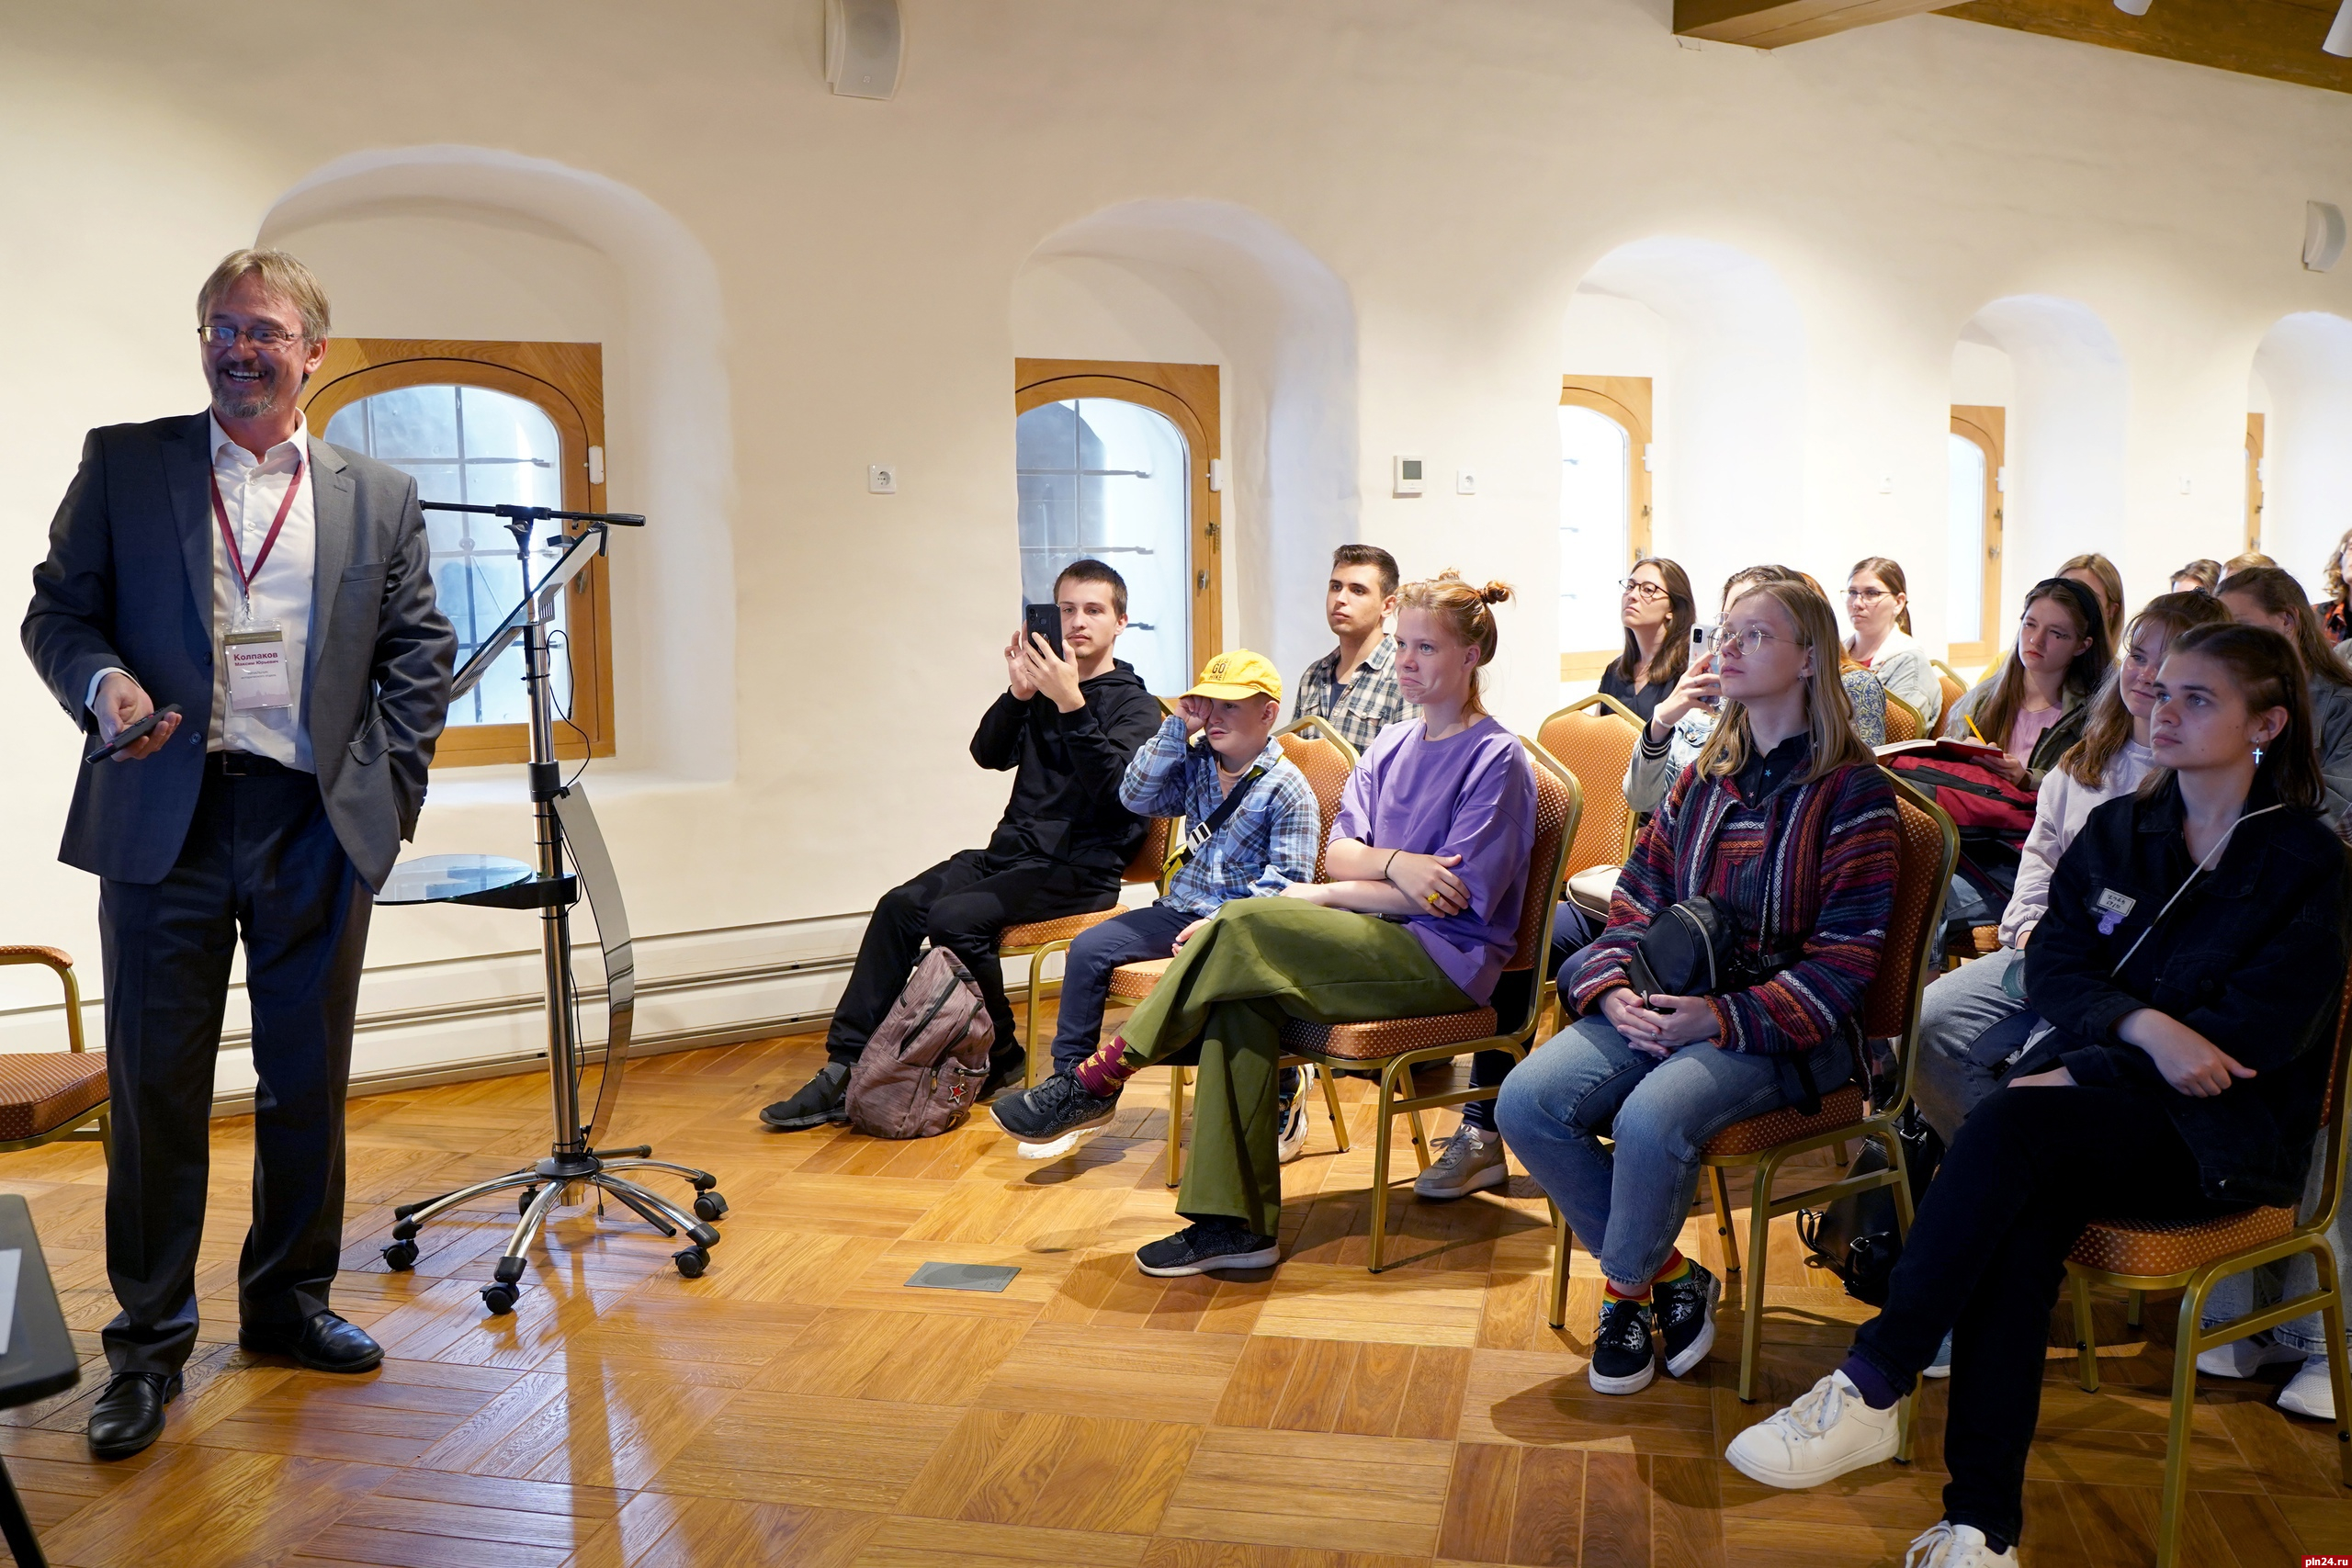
(2254,497)
(1188,395)
(1627,400)
(1986,425)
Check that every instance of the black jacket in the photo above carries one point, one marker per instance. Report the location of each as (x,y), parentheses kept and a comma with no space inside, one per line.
(2252,957)
(1065,803)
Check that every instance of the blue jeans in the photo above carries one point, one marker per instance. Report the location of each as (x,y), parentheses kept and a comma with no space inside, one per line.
(1956,1011)
(1627,1204)
(1128,937)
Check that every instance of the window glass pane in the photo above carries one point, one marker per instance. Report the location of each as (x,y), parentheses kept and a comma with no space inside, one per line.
(1111,480)
(1596,485)
(485,448)
(1964,534)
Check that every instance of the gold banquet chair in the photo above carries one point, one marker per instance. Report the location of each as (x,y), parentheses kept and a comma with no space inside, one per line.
(1398,1046)
(1039,939)
(1927,844)
(1903,721)
(46,1096)
(1954,688)
(1594,738)
(2193,1256)
(1323,754)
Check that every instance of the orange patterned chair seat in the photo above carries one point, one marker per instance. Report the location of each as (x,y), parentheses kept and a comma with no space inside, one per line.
(1385,1037)
(1839,1108)
(1037,933)
(1133,982)
(2172,1246)
(42,1090)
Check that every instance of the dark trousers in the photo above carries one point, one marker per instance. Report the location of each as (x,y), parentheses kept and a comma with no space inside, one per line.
(960,904)
(1147,932)
(261,860)
(1986,1258)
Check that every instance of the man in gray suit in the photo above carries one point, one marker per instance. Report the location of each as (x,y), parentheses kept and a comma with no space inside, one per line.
(279,591)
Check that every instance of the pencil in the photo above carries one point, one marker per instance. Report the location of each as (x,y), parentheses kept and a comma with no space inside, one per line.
(1970,719)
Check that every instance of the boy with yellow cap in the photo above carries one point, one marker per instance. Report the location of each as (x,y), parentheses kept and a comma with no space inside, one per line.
(1253,828)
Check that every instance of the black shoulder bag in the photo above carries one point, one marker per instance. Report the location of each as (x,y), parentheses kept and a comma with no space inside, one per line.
(1688,951)
(1201,832)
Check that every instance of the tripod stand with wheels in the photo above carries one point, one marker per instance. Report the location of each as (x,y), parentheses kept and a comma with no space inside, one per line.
(566,834)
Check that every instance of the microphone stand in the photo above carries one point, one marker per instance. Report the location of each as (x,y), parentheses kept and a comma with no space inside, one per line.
(563,822)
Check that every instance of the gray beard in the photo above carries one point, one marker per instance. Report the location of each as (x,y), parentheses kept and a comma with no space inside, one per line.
(233,403)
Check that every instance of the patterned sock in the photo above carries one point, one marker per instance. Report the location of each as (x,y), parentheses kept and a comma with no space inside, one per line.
(1102,1074)
(1610,1292)
(1674,1270)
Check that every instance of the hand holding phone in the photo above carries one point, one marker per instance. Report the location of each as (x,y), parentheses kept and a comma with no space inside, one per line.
(131,735)
(1044,621)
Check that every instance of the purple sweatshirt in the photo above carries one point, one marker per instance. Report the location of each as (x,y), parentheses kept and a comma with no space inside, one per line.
(1471,795)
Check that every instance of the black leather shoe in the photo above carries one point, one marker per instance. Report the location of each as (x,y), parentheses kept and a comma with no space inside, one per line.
(129,1415)
(324,1344)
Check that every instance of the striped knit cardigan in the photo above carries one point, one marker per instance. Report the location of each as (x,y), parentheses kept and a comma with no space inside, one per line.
(1807,872)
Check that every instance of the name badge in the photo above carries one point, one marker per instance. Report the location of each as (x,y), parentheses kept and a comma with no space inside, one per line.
(2112,907)
(258,679)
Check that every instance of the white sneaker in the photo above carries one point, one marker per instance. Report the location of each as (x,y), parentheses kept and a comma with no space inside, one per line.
(1467,1162)
(2243,1357)
(2309,1393)
(1956,1546)
(1821,1436)
(1291,1141)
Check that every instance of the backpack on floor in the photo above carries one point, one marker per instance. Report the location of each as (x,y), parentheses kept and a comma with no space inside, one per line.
(922,1071)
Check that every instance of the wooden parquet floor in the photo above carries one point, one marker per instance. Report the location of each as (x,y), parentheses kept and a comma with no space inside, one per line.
(799,1404)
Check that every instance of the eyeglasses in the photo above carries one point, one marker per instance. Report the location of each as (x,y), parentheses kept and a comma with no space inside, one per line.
(1640,590)
(1867,595)
(263,337)
(1749,640)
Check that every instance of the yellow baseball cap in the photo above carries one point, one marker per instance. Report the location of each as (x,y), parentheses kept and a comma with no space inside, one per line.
(1238,673)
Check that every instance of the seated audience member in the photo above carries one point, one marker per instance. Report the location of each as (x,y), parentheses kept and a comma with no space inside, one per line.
(2110,759)
(1879,606)
(1787,826)
(2336,615)
(2200,575)
(2032,705)
(2244,559)
(2266,596)
(2216,886)
(1427,862)
(1684,719)
(1067,725)
(1354,685)
(2097,573)
(1657,610)
(1217,744)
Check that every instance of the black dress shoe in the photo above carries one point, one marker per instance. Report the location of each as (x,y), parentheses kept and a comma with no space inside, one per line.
(129,1415)
(326,1343)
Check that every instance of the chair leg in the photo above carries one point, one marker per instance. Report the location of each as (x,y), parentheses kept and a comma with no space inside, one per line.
(2132,1308)
(1557,1316)
(1175,1126)
(2184,1407)
(1751,1324)
(1380,1164)
(2340,1381)
(1723,1232)
(2085,1337)
(1902,1430)
(106,1139)
(1331,1103)
(1420,1134)
(1029,1018)
(1838,1150)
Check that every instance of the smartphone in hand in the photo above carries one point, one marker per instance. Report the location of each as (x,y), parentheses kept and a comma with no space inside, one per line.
(1044,621)
(131,735)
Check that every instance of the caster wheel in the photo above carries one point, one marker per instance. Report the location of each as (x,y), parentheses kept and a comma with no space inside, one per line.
(522,1201)
(709,1206)
(692,1262)
(401,1256)
(499,1298)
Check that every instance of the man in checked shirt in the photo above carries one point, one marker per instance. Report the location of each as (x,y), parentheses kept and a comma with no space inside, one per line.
(1354,685)
(1253,828)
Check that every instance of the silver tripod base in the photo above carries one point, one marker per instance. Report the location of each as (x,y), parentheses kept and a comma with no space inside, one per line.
(544,1186)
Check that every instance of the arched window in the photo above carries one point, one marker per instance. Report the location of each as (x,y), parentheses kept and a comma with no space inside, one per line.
(1604,511)
(1112,461)
(488,423)
(1972,534)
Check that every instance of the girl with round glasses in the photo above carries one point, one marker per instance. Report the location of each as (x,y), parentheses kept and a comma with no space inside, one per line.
(1878,606)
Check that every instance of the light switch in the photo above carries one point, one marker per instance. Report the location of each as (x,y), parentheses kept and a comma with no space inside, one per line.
(882,478)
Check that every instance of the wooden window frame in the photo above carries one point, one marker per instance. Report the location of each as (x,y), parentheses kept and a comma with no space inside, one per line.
(1627,400)
(1186,394)
(2254,423)
(1986,424)
(566,382)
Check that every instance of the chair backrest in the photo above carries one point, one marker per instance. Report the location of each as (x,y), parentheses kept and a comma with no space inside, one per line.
(1903,720)
(1954,688)
(2330,1190)
(1151,858)
(1927,847)
(1559,802)
(1594,740)
(1323,754)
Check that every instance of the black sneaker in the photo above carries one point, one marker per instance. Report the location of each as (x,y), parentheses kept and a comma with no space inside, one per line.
(1212,1244)
(1005,1070)
(1055,1117)
(1624,1359)
(815,1104)
(1686,1318)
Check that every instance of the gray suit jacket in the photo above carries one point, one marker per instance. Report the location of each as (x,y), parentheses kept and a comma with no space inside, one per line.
(128,582)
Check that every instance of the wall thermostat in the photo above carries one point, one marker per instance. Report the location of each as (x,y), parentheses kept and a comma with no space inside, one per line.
(1408,476)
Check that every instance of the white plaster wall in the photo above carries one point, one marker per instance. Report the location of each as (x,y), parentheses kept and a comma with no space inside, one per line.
(1457,171)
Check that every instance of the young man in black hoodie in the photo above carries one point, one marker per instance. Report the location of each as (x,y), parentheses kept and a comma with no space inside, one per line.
(1067,724)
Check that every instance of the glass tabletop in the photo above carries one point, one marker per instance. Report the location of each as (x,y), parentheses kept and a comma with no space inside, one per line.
(430,879)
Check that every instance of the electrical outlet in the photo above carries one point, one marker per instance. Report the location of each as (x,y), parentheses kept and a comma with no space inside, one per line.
(882,478)
(1465,482)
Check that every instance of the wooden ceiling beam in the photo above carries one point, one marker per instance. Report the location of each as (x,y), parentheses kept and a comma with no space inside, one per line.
(2278,39)
(1769,24)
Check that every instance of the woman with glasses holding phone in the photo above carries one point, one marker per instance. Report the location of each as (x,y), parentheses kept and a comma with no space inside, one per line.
(1657,611)
(1878,606)
(2034,706)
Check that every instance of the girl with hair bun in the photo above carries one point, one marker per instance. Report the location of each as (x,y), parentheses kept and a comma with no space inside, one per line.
(1427,863)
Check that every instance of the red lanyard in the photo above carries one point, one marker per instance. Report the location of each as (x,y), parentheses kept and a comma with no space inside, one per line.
(228,537)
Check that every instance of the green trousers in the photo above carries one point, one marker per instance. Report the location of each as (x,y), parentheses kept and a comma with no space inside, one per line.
(1259,961)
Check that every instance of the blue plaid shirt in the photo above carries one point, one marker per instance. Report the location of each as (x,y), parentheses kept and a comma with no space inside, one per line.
(1269,842)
